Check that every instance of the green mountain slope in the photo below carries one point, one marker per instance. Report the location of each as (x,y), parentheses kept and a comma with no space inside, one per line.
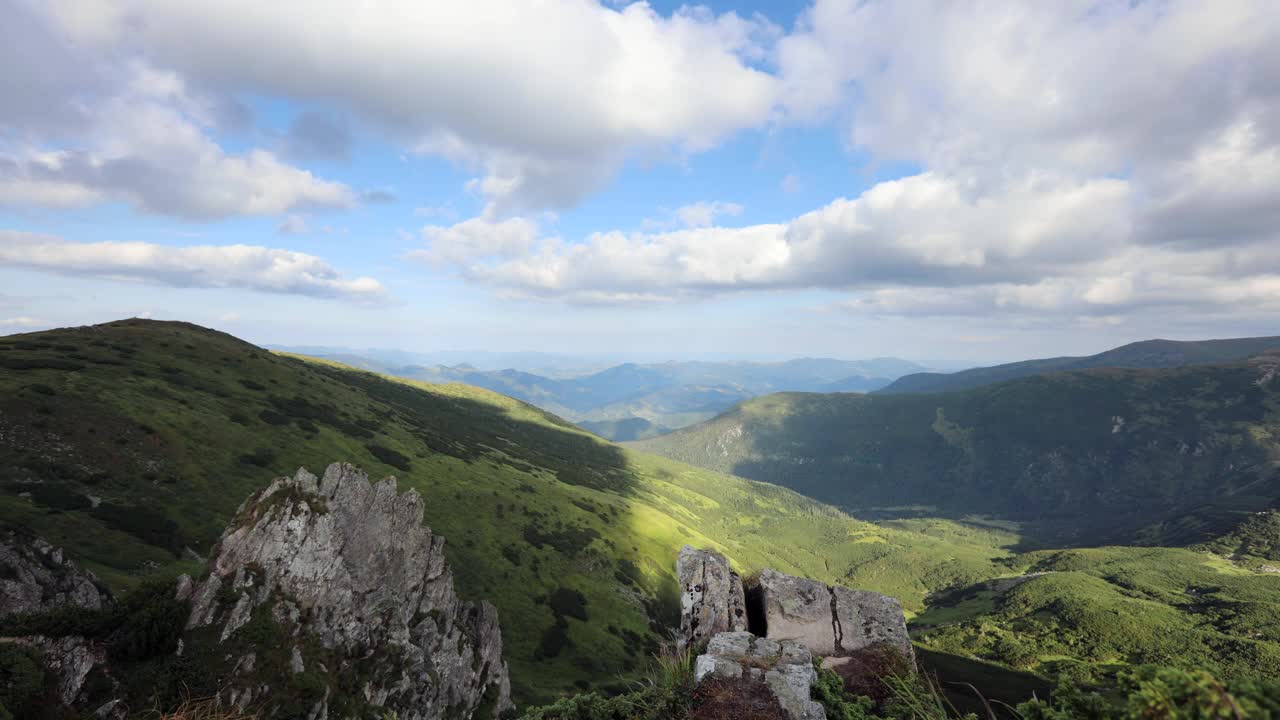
(1083,612)
(1160,456)
(132,443)
(1145,354)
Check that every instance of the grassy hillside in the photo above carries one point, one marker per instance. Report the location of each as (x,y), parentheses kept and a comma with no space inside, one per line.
(1146,354)
(1084,612)
(132,443)
(1152,456)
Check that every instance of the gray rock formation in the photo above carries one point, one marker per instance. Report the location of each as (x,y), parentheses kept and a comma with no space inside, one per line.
(865,618)
(353,591)
(35,576)
(799,609)
(831,620)
(711,600)
(786,667)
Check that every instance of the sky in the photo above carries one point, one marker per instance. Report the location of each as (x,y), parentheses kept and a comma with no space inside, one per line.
(941,181)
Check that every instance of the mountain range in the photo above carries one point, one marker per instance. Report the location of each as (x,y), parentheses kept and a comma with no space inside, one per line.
(1144,354)
(631,401)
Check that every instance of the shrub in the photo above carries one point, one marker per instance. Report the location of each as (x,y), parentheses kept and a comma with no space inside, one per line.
(22,681)
(148,524)
(566,602)
(389,456)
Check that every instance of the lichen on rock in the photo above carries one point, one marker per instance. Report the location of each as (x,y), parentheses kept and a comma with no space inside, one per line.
(711,600)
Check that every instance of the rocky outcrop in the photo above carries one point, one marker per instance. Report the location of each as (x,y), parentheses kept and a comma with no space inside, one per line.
(34,575)
(348,590)
(784,667)
(799,609)
(712,600)
(830,620)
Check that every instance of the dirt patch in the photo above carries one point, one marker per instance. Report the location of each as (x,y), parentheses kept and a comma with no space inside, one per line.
(735,699)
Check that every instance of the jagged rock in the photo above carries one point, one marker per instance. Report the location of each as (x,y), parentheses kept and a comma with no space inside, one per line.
(70,659)
(38,577)
(712,599)
(347,564)
(786,667)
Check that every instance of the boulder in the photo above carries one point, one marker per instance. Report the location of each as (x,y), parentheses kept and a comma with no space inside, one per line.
(712,600)
(784,667)
(341,574)
(864,618)
(799,609)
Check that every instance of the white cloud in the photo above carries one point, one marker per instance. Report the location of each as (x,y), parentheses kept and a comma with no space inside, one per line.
(234,266)
(1099,87)
(704,214)
(923,245)
(79,128)
(24,321)
(159,160)
(453,78)
(477,239)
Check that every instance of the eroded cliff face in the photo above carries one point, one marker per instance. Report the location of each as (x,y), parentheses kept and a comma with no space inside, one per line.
(335,583)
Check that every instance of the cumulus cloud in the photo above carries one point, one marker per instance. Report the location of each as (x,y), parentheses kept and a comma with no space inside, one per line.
(922,245)
(1087,159)
(1095,86)
(208,266)
(684,81)
(80,128)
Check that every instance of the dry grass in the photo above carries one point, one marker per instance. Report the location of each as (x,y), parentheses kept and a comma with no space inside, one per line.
(735,699)
(202,709)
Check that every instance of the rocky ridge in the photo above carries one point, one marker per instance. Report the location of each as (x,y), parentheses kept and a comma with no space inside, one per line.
(325,598)
(356,586)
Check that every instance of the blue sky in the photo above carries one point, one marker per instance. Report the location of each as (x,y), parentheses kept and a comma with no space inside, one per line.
(936,181)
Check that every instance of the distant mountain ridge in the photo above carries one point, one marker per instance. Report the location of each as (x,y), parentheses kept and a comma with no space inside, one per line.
(631,401)
(1143,354)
